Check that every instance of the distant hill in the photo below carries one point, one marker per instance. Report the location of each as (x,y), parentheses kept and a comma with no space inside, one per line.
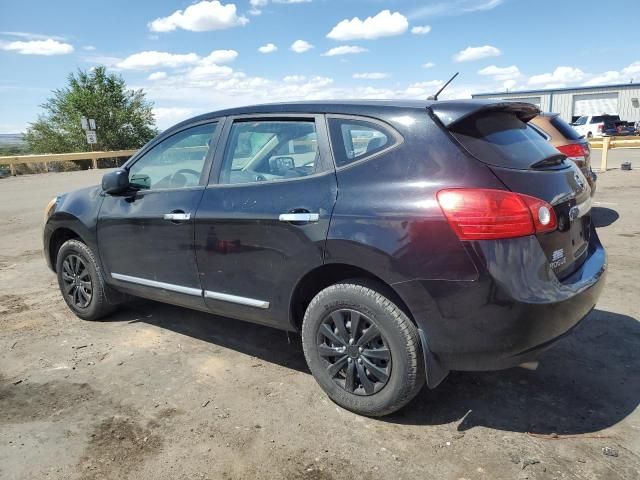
(10,139)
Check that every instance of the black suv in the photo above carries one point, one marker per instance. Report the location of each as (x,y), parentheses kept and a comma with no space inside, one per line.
(403,239)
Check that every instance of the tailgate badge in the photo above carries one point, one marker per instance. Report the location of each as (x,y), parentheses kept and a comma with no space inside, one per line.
(557,258)
(573,213)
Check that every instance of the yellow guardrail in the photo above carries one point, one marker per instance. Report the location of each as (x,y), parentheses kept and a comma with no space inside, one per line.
(13,160)
(607,143)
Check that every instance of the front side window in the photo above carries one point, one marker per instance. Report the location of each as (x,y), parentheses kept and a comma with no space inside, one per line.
(354,140)
(264,150)
(175,162)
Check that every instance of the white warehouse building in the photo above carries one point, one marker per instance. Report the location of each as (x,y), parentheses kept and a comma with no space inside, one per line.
(571,103)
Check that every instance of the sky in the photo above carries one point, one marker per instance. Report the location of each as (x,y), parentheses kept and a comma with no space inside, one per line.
(192,57)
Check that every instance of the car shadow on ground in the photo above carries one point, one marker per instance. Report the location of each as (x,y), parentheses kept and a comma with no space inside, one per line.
(585,383)
(603,217)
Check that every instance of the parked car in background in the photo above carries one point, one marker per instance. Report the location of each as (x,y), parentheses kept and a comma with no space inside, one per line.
(566,139)
(603,125)
(402,239)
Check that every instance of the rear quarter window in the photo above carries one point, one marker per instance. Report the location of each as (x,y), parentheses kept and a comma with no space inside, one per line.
(503,140)
(354,139)
(565,129)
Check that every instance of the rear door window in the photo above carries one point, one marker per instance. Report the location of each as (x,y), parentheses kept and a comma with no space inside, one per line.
(355,140)
(503,140)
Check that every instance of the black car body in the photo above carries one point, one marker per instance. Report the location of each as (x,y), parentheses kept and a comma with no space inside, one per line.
(260,243)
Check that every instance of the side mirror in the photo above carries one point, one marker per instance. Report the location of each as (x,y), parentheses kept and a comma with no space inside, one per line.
(115,182)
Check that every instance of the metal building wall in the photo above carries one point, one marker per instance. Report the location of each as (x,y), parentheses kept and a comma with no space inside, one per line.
(561,101)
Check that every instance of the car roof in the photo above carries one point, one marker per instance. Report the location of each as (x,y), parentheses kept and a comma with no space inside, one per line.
(373,108)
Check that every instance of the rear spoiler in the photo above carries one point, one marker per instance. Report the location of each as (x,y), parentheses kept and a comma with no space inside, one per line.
(451,113)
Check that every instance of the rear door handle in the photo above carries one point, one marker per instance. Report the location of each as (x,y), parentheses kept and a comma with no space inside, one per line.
(179,217)
(299,217)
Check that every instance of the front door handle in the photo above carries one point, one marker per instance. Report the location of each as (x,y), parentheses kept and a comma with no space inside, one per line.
(299,217)
(177,216)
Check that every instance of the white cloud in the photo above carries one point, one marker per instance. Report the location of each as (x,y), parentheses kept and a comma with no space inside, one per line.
(38,47)
(500,73)
(220,56)
(559,77)
(153,59)
(210,72)
(371,76)
(384,24)
(89,48)
(268,48)
(301,46)
(421,30)
(632,69)
(428,65)
(294,79)
(33,36)
(200,17)
(476,53)
(455,7)
(258,5)
(344,50)
(509,85)
(172,115)
(611,76)
(157,76)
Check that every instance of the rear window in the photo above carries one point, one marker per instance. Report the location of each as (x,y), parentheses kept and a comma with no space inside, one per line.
(565,129)
(503,140)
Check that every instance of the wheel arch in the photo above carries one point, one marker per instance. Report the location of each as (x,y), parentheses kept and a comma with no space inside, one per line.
(57,239)
(325,275)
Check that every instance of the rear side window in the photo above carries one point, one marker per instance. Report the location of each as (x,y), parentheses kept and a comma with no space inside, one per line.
(565,129)
(503,140)
(355,140)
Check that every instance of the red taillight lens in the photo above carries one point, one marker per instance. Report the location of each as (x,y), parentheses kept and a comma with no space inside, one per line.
(484,214)
(574,150)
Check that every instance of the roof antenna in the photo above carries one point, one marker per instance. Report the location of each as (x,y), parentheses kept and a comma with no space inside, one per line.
(435,97)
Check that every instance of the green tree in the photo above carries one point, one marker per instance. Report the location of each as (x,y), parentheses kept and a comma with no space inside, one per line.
(124,117)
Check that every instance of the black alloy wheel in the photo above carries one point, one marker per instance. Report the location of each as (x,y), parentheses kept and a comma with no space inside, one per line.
(76,278)
(356,353)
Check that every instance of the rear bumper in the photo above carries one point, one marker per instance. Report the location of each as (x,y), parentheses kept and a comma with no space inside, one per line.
(516,309)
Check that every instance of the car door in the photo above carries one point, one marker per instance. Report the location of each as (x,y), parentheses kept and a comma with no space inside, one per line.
(145,236)
(264,217)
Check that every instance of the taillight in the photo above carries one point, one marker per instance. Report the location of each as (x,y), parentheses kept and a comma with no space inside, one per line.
(574,150)
(484,214)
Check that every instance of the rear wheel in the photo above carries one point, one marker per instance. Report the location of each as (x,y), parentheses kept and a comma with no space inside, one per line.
(362,348)
(81,282)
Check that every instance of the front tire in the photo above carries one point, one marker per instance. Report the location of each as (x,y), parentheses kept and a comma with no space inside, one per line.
(81,282)
(362,348)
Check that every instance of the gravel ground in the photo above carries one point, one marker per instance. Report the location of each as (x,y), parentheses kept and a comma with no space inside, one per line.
(161,392)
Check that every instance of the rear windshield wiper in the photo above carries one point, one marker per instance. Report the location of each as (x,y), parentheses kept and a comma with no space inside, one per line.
(551,161)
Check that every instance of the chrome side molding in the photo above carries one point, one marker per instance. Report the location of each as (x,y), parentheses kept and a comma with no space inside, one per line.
(225,297)
(155,284)
(196,292)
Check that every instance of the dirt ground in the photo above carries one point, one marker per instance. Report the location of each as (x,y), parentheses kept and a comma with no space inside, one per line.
(161,392)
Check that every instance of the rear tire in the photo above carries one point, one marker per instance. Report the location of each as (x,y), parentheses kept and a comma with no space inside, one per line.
(81,282)
(362,348)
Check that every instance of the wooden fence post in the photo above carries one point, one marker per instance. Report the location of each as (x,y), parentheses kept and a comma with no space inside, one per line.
(605,153)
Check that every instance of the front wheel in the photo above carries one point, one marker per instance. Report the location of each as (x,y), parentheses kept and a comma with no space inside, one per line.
(81,282)
(362,348)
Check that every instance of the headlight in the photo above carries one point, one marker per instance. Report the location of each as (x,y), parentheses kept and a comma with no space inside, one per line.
(51,207)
